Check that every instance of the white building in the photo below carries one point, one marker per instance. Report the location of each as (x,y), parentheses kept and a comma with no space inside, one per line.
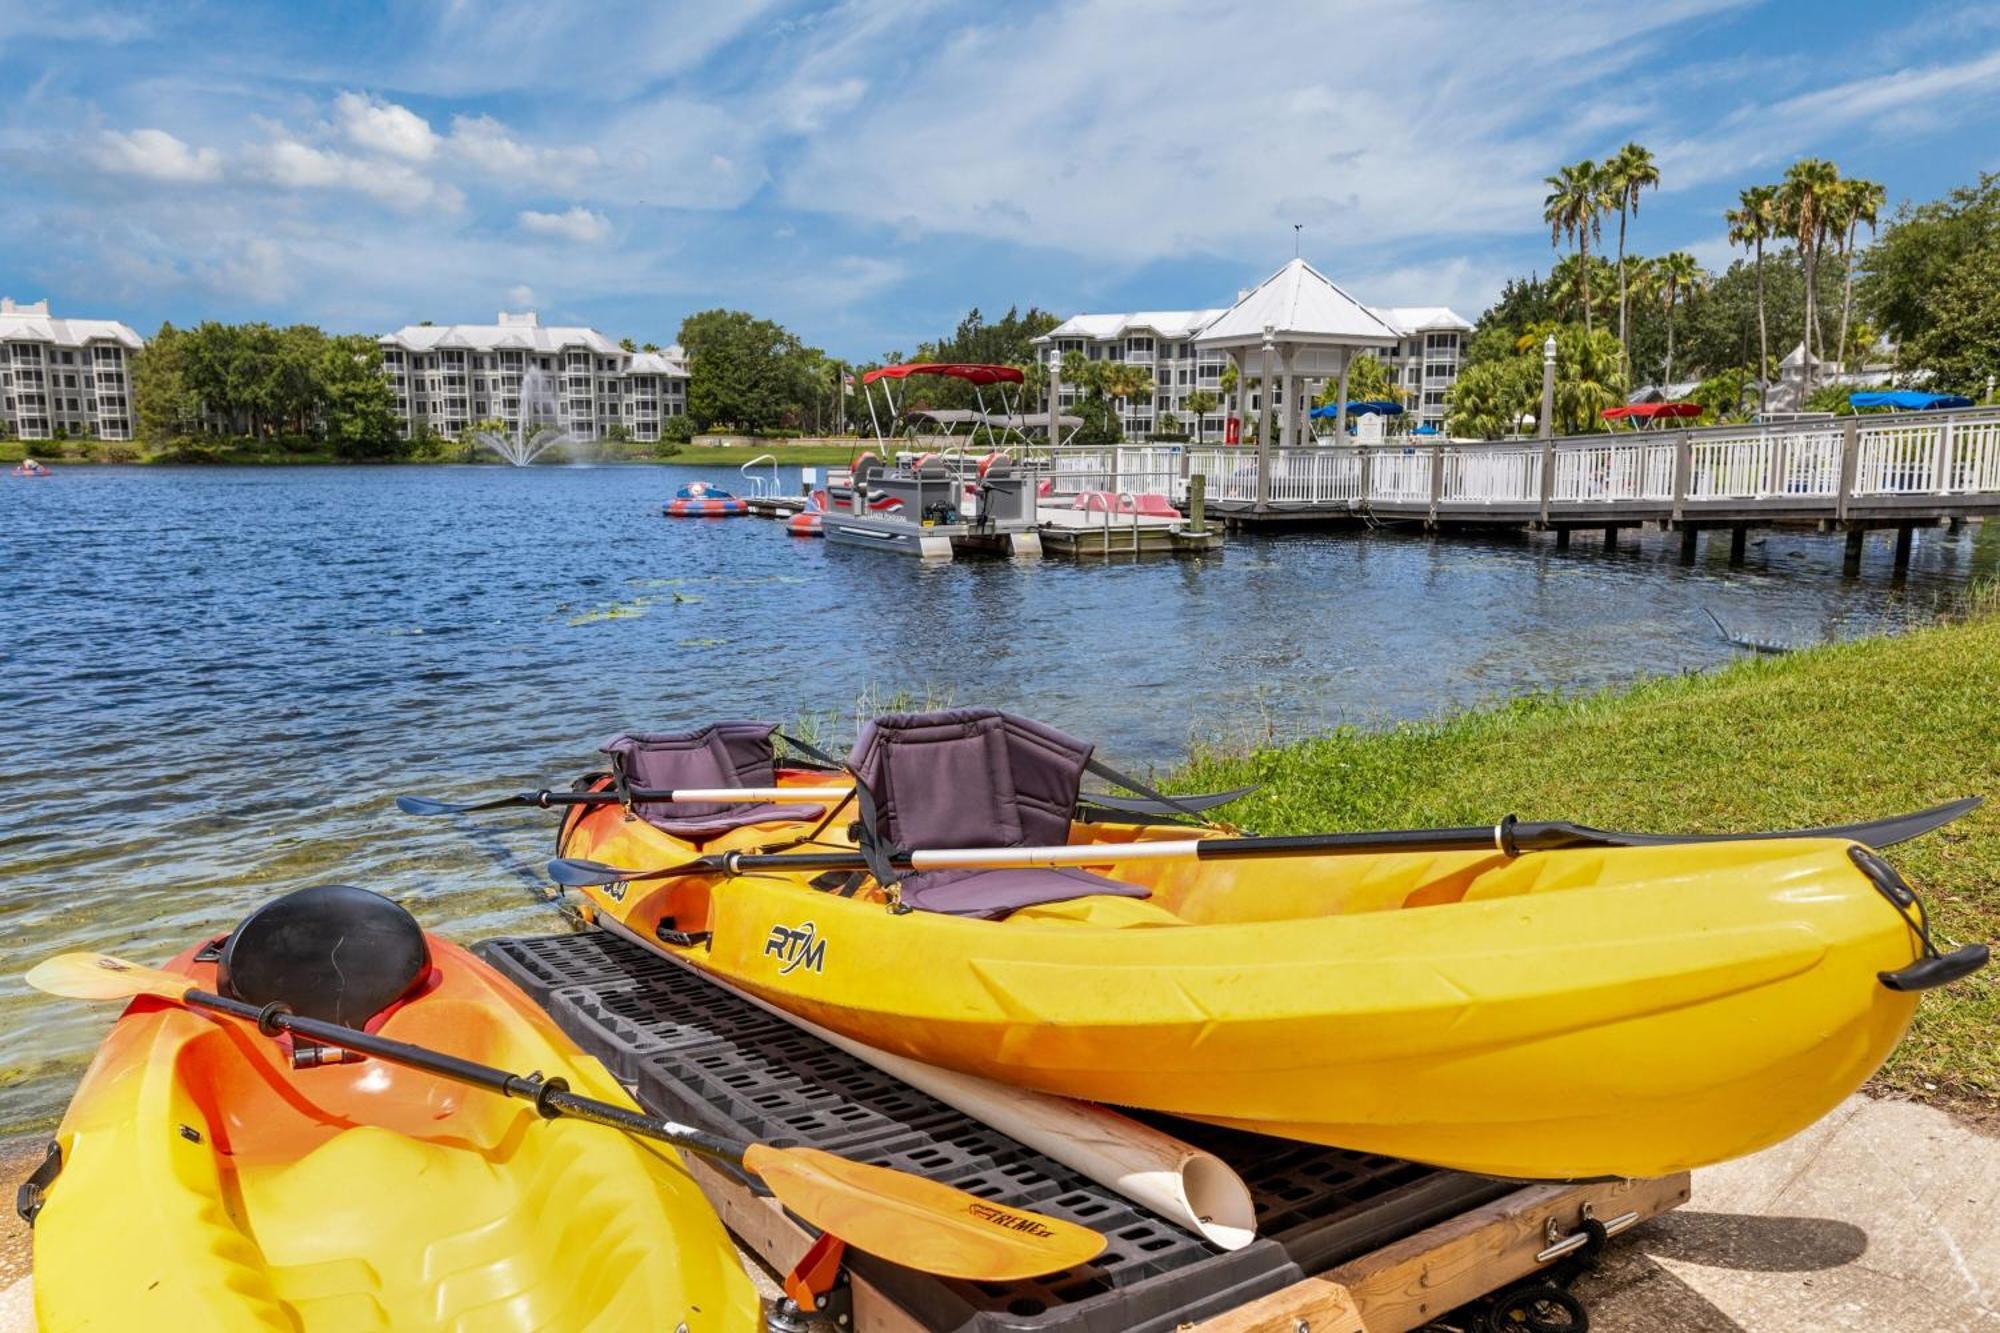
(67,376)
(449,376)
(1424,361)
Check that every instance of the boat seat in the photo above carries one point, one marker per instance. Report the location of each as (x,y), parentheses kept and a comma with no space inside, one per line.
(973,777)
(334,952)
(722,754)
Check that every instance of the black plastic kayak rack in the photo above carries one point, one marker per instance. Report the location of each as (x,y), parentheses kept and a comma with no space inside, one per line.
(694,1052)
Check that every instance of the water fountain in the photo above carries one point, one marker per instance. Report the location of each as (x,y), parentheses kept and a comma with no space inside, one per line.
(538,427)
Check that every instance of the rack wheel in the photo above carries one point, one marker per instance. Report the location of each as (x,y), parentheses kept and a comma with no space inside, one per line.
(1537,1307)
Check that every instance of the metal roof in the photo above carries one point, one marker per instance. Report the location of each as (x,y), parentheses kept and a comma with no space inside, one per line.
(509,333)
(1300,304)
(1421,318)
(32,323)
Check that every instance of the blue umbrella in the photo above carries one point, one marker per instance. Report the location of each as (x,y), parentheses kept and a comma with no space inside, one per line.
(1909,400)
(1381,407)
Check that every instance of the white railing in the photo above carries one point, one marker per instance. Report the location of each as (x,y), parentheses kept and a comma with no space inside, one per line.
(1487,476)
(1908,454)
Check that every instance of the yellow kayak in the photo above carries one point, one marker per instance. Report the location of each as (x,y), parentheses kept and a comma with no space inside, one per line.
(1622,1011)
(205,1182)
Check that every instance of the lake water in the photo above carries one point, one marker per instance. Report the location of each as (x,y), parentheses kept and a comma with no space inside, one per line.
(213,680)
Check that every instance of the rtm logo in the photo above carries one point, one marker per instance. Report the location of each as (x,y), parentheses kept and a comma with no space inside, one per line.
(795,947)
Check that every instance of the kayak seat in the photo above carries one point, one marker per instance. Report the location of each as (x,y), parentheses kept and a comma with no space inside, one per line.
(977,778)
(334,952)
(722,754)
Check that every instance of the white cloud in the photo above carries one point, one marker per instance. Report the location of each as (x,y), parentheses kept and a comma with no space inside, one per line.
(486,145)
(1131,142)
(385,127)
(156,155)
(575,224)
(521,296)
(256,268)
(294,165)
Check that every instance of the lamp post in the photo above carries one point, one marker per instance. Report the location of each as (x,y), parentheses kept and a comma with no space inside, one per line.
(1264,421)
(1546,426)
(1055,396)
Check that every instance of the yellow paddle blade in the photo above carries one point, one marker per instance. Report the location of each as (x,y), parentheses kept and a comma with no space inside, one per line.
(919,1223)
(99,976)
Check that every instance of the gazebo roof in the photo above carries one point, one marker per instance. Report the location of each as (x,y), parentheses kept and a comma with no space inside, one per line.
(1302,306)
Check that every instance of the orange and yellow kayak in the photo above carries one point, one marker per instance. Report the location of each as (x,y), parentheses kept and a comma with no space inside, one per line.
(206,1183)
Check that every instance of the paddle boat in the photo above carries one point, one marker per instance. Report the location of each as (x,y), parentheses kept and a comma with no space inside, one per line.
(1538,1001)
(806,523)
(704,499)
(28,467)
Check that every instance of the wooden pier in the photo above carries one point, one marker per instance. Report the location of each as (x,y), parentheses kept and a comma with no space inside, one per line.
(1852,475)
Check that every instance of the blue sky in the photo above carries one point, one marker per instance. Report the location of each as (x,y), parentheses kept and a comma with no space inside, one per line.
(866,172)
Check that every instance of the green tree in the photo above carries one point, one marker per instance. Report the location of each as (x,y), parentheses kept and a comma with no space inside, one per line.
(1124,382)
(1489,399)
(1575,205)
(163,402)
(1805,200)
(743,371)
(1751,224)
(628,345)
(1856,202)
(1959,342)
(1629,171)
(1368,380)
(360,411)
(1680,278)
(1926,248)
(1199,404)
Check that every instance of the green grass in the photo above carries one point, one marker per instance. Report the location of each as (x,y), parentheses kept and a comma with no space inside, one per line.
(735,455)
(1829,735)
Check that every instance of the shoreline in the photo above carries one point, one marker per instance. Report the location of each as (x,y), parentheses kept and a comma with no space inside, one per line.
(133,453)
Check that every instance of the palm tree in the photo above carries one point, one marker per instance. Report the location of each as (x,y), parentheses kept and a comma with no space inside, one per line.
(1808,191)
(1680,277)
(1750,226)
(1200,403)
(1124,382)
(1575,203)
(1631,171)
(1858,201)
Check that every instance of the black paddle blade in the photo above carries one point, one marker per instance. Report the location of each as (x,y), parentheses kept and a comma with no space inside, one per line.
(424,805)
(576,873)
(1874,833)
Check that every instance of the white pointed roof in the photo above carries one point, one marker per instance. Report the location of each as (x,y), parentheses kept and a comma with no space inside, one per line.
(1302,305)
(27,321)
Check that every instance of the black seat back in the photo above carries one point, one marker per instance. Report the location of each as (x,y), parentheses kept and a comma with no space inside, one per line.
(333,952)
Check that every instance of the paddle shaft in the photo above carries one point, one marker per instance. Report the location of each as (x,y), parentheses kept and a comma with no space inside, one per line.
(551,1096)
(717,795)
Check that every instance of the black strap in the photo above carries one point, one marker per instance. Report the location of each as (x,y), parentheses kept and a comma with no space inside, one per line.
(819,758)
(871,837)
(1160,802)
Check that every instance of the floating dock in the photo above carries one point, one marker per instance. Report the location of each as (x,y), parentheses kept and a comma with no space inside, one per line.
(1348,1242)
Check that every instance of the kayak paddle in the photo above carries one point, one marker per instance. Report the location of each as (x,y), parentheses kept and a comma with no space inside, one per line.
(424,805)
(918,1223)
(1509,837)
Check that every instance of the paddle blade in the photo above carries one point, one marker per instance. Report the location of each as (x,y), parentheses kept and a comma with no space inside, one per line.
(576,873)
(98,976)
(424,805)
(919,1223)
(1873,833)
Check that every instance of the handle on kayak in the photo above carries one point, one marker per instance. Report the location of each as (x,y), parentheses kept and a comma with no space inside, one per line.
(1929,973)
(34,1191)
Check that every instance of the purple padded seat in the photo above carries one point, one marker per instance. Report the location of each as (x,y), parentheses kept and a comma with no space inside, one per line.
(722,754)
(977,777)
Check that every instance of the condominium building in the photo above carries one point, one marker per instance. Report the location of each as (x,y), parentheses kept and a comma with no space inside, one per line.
(1424,363)
(64,377)
(447,377)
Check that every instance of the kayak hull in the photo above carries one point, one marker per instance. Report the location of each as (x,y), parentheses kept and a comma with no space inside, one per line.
(207,1184)
(1562,1015)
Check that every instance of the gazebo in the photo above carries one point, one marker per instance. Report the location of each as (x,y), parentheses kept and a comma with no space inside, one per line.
(1295,326)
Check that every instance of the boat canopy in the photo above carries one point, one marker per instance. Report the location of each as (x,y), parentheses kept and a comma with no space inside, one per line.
(974,374)
(1367,407)
(1653,412)
(1909,400)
